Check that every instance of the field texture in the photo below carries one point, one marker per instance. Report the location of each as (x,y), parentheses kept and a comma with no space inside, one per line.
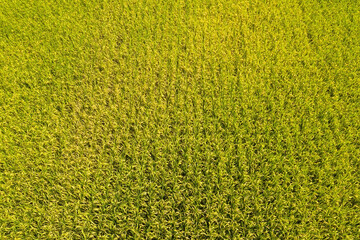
(186,119)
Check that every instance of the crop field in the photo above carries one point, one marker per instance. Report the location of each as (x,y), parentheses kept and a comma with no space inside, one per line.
(185,119)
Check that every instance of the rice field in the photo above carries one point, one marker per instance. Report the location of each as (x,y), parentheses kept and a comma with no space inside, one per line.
(186,119)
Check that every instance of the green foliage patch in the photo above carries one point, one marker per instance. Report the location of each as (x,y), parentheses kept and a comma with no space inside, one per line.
(189,119)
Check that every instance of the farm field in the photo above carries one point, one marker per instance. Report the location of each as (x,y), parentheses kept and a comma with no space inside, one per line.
(187,119)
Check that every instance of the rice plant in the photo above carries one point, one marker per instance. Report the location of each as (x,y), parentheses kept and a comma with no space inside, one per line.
(188,119)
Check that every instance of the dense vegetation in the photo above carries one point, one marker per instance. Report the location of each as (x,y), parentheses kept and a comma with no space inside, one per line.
(188,119)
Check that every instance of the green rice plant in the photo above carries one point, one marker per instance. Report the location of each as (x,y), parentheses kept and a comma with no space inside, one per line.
(189,119)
